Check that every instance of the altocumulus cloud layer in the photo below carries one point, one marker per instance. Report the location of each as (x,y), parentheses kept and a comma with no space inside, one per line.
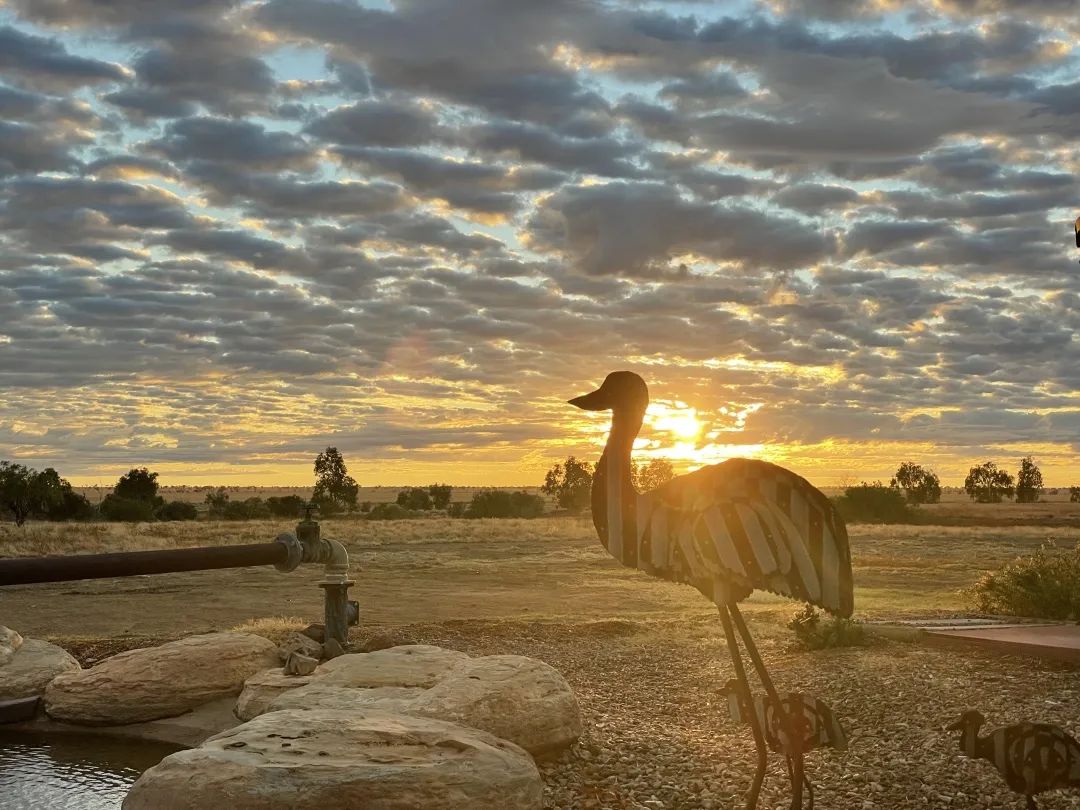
(232,233)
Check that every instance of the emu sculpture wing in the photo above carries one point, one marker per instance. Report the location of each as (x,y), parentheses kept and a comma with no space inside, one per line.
(746,524)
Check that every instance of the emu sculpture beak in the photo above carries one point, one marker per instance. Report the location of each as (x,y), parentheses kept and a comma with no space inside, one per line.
(596,401)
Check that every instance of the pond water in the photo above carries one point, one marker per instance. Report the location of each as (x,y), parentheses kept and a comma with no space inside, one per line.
(71,771)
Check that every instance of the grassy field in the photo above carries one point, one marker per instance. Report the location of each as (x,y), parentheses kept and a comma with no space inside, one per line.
(441,569)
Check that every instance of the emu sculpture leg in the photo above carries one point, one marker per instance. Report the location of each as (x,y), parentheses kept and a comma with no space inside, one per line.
(797,771)
(748,698)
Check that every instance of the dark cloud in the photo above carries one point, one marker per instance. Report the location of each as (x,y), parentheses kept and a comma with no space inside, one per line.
(377,123)
(44,62)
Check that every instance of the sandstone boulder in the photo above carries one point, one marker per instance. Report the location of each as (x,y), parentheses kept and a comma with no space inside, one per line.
(343,699)
(262,688)
(157,682)
(511,696)
(410,665)
(32,666)
(323,759)
(10,641)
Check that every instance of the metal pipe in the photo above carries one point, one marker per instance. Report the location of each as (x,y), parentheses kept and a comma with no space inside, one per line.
(24,571)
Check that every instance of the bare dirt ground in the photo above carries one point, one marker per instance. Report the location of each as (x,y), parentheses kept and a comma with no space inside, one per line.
(646,658)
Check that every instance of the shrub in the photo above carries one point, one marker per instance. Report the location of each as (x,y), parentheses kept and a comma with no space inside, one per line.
(126,510)
(457,510)
(178,510)
(494,503)
(415,499)
(818,633)
(1074,494)
(250,509)
(1044,585)
(287,506)
(440,495)
(388,511)
(873,503)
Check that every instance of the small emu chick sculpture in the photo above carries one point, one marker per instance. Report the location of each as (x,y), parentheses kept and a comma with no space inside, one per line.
(1031,757)
(811,719)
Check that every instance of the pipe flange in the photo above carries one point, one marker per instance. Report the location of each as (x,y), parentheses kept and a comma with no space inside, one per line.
(295,552)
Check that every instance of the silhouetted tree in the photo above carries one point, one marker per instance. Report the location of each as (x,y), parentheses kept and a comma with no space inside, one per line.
(987,484)
(919,484)
(1074,494)
(1029,481)
(650,475)
(217,501)
(570,484)
(139,484)
(335,489)
(440,495)
(26,493)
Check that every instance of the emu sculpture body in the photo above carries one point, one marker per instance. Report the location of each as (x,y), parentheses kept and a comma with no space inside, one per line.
(1032,758)
(726,530)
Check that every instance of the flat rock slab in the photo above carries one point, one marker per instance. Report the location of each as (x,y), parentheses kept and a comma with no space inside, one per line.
(34,664)
(321,758)
(1059,642)
(156,682)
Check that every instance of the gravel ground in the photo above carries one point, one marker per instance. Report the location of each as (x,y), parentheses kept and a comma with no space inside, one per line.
(658,736)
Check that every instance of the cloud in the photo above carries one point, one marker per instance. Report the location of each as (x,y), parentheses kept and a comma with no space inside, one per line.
(233,232)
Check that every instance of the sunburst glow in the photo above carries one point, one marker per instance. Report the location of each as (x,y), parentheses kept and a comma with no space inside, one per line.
(675,418)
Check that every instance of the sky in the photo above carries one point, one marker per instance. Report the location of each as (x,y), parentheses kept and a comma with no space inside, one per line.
(833,234)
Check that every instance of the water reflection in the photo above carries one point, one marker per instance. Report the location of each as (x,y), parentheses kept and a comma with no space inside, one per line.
(71,771)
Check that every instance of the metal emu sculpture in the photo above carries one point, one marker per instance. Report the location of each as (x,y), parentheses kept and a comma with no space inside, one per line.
(811,719)
(1031,757)
(726,530)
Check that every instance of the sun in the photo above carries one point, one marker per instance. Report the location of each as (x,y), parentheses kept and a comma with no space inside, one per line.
(677,419)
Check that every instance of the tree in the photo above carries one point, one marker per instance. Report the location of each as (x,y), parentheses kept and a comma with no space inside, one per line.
(570,484)
(335,489)
(987,484)
(654,473)
(217,502)
(414,499)
(26,493)
(139,484)
(1074,494)
(440,495)
(919,484)
(1029,481)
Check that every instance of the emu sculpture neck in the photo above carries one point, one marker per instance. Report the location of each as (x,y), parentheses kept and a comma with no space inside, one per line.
(613,491)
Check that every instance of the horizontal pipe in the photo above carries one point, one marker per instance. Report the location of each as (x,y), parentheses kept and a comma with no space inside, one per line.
(24,571)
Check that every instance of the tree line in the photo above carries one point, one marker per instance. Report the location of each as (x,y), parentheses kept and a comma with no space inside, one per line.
(28,493)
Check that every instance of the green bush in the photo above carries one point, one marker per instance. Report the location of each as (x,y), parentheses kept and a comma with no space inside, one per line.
(126,510)
(249,509)
(494,503)
(873,503)
(178,510)
(1044,585)
(817,632)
